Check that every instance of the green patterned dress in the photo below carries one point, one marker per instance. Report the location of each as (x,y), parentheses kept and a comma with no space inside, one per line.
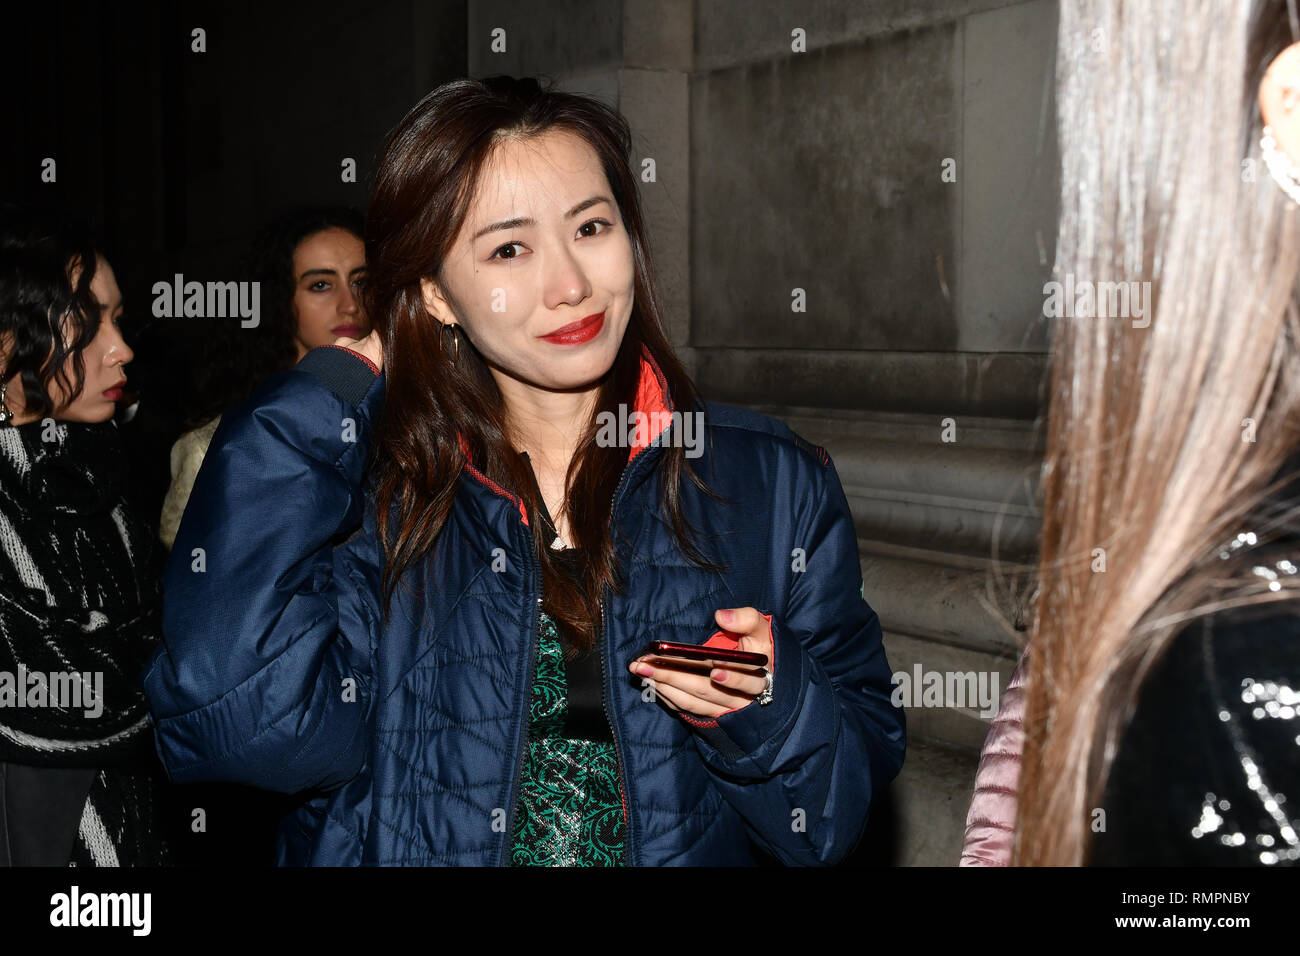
(570,810)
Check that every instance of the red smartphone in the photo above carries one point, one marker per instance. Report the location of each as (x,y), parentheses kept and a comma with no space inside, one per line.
(699,652)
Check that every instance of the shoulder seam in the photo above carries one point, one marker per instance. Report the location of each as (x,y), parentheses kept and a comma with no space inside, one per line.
(790,436)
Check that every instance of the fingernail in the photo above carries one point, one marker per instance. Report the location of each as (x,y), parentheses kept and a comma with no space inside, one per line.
(728,615)
(719,676)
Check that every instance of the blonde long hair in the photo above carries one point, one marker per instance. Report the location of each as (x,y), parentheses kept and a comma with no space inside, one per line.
(1162,441)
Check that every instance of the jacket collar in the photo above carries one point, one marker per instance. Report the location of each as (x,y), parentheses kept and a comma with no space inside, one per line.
(652,400)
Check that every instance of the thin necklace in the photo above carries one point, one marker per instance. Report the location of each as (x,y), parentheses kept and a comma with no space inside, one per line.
(557,542)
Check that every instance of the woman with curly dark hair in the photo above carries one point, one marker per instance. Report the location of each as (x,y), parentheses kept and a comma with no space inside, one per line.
(79,597)
(310,262)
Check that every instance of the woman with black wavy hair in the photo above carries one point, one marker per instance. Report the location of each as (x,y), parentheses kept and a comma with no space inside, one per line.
(79,598)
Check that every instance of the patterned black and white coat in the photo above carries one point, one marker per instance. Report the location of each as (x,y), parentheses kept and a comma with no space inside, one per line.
(79,613)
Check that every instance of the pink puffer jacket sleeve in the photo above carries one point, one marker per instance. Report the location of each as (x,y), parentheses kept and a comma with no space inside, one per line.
(991,820)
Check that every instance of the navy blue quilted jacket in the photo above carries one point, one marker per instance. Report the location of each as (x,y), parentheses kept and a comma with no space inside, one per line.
(405,737)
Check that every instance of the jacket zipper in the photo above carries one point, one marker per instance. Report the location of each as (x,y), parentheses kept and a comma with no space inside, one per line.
(604,705)
(524,727)
(632,856)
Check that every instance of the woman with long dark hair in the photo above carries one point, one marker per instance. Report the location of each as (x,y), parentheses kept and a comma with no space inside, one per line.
(79,598)
(309,263)
(1159,710)
(419,571)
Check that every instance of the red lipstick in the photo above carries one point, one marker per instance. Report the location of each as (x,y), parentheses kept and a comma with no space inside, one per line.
(114,394)
(575,333)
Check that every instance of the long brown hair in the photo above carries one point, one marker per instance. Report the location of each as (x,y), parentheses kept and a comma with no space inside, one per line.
(1163,441)
(428,170)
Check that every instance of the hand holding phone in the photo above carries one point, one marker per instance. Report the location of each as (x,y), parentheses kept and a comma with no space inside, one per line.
(740,655)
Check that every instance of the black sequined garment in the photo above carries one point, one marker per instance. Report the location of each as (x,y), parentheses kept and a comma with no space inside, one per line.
(570,800)
(1208,770)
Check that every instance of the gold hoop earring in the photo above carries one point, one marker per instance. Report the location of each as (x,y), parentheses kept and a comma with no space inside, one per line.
(455,335)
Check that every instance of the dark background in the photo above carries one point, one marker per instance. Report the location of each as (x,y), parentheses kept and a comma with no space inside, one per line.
(179,157)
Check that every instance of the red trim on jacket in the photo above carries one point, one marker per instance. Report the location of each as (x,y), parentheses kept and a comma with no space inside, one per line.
(519,502)
(651,400)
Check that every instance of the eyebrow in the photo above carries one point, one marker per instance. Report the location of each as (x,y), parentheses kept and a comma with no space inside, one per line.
(329,272)
(526,221)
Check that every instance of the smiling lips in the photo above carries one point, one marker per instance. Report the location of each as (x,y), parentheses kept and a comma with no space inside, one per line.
(575,333)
